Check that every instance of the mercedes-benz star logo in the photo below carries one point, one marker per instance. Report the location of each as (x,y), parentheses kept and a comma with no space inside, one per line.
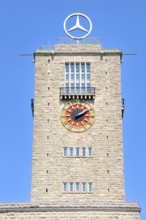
(78,26)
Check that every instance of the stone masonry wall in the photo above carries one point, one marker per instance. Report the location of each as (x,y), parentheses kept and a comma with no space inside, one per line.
(50,168)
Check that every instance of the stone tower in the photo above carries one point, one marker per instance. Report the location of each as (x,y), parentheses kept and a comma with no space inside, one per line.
(77,165)
(73,162)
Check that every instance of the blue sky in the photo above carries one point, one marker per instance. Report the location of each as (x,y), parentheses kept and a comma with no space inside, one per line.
(26,25)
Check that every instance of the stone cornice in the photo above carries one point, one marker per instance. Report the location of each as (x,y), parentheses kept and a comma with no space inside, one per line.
(77,53)
(23,208)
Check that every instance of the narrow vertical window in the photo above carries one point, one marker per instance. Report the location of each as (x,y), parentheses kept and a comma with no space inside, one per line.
(77,88)
(65,151)
(67,78)
(77,151)
(90,187)
(90,151)
(83,77)
(88,77)
(67,67)
(83,67)
(77,187)
(83,88)
(72,78)
(72,88)
(83,187)
(88,88)
(64,187)
(83,151)
(72,67)
(71,187)
(88,67)
(67,88)
(77,68)
(77,76)
(71,151)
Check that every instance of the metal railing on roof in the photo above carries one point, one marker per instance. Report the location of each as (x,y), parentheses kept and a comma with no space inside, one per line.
(67,40)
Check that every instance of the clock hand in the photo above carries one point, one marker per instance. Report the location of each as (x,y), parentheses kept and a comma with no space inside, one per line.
(81,113)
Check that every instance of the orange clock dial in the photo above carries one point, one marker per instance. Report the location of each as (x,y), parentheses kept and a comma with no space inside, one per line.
(77,116)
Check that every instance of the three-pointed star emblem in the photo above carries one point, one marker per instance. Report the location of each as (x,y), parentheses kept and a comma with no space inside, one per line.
(78,26)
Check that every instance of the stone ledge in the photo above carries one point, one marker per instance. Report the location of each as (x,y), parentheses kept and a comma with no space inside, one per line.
(29,207)
(72,53)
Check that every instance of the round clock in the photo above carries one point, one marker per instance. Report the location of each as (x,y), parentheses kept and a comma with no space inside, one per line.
(77,116)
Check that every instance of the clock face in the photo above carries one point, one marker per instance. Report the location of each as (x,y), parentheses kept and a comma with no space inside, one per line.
(77,116)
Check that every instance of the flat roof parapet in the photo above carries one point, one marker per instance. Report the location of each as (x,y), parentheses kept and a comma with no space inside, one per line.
(77,47)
